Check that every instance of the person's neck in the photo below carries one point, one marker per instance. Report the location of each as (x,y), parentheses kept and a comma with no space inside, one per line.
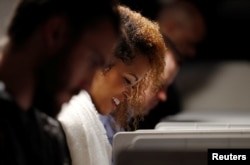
(17,72)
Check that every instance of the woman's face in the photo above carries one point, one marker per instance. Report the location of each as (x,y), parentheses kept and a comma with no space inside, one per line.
(114,86)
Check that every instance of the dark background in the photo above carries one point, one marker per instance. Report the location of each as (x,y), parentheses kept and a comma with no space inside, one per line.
(228,28)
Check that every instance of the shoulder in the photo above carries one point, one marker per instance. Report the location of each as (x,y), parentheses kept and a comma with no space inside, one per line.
(49,125)
(54,135)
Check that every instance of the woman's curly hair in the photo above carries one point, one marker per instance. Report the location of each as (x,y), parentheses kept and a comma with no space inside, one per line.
(142,36)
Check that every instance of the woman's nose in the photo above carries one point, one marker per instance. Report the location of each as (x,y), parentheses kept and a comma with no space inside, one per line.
(127,92)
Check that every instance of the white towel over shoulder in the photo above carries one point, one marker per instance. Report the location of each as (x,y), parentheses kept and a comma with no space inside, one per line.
(86,135)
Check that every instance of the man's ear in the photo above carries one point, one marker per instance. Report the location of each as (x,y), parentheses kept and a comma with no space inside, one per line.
(56,32)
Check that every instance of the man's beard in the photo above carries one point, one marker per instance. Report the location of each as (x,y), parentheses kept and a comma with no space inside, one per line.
(45,99)
(46,103)
(49,82)
(47,86)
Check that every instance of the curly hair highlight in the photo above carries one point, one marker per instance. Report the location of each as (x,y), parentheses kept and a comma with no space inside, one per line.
(145,39)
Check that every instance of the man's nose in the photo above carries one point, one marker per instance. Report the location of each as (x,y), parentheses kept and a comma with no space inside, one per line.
(162,95)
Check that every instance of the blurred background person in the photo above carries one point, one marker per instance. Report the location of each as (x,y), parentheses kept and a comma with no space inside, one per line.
(183,23)
(52,50)
(172,67)
(184,27)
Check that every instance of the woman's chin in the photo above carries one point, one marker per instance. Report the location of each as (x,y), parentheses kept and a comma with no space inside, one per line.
(105,112)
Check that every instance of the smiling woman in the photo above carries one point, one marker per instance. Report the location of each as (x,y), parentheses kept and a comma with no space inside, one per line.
(137,60)
(116,83)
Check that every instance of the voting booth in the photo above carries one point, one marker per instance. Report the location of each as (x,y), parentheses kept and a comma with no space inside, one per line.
(179,146)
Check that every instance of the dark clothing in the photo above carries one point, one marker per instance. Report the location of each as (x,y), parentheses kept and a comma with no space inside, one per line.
(29,137)
(163,109)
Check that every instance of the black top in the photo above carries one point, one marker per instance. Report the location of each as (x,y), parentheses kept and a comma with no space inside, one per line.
(29,137)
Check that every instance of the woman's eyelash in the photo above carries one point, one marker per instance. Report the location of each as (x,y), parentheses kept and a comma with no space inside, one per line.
(127,81)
